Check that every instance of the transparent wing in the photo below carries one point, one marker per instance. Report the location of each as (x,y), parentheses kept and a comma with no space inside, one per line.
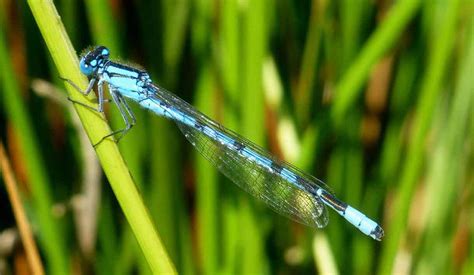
(268,185)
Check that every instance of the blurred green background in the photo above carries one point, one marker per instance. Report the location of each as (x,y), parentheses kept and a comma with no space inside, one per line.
(373,97)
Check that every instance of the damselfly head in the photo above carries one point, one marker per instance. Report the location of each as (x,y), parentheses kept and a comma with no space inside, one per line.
(93,59)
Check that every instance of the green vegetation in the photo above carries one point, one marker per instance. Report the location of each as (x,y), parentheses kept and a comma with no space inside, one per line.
(375,99)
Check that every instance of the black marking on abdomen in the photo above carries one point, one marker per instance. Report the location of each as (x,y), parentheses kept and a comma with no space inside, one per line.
(333,201)
(276,167)
(238,146)
(305,184)
(199,125)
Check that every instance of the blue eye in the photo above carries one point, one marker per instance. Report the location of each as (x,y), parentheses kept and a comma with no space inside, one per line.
(86,68)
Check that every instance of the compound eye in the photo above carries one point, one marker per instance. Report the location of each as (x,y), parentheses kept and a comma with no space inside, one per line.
(86,67)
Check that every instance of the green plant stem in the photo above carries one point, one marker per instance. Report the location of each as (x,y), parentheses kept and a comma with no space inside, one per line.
(51,237)
(254,49)
(208,190)
(431,85)
(309,70)
(96,127)
(383,39)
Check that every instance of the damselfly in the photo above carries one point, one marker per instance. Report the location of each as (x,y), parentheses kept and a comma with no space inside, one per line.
(283,187)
